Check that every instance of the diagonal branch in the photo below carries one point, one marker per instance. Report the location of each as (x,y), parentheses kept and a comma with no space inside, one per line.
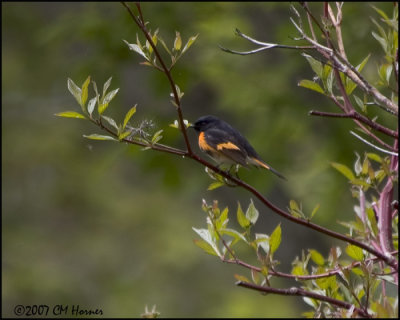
(294,291)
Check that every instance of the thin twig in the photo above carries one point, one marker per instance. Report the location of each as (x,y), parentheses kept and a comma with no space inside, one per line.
(338,269)
(372,145)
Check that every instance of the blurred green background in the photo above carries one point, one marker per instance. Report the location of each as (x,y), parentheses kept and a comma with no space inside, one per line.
(106,225)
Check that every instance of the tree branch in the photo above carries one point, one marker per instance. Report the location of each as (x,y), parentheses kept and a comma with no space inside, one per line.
(355,115)
(294,291)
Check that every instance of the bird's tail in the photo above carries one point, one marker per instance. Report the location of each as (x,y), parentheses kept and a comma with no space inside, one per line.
(260,163)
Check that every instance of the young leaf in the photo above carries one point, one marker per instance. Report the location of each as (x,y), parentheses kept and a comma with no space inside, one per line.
(275,239)
(91,105)
(137,49)
(75,90)
(128,116)
(84,92)
(157,137)
(316,257)
(123,135)
(343,170)
(189,43)
(262,240)
(110,121)
(107,99)
(206,236)
(177,42)
(252,213)
(243,221)
(375,157)
(222,220)
(316,208)
(293,205)
(240,278)
(106,86)
(99,137)
(215,185)
(355,252)
(205,246)
(233,233)
(311,85)
(315,65)
(70,114)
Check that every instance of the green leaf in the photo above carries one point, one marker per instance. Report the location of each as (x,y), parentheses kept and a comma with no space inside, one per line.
(106,86)
(243,221)
(164,45)
(123,135)
(316,208)
(360,103)
(315,65)
(252,213)
(382,13)
(275,239)
(107,99)
(355,252)
(222,220)
(381,41)
(136,48)
(357,271)
(233,233)
(241,278)
(255,276)
(350,85)
(178,41)
(75,91)
(70,114)
(84,93)
(129,115)
(343,170)
(361,66)
(311,85)
(215,185)
(262,240)
(99,137)
(293,205)
(329,81)
(298,269)
(91,105)
(189,43)
(157,137)
(357,165)
(317,257)
(110,121)
(205,246)
(206,236)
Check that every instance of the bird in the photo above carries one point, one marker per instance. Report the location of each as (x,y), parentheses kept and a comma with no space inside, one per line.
(226,145)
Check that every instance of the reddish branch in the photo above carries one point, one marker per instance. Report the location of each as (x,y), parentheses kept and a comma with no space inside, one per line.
(357,116)
(294,291)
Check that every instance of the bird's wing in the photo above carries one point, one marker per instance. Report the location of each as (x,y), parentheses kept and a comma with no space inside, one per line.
(225,143)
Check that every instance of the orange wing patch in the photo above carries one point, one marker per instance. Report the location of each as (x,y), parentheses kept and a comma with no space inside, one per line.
(227,145)
(203,143)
